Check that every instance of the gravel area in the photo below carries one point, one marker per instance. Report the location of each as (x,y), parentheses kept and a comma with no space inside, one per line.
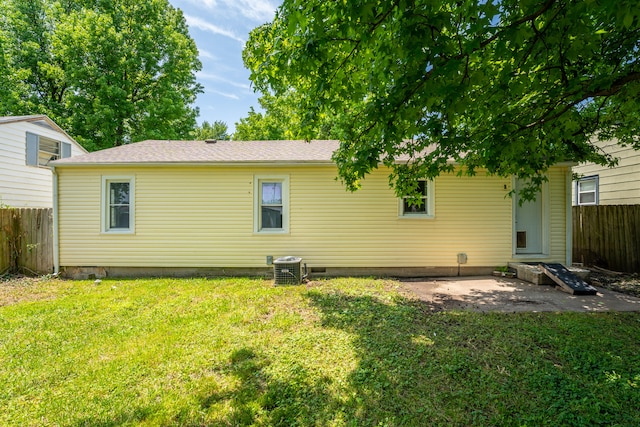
(626,283)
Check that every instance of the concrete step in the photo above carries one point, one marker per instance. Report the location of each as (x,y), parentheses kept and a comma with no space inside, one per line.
(531,272)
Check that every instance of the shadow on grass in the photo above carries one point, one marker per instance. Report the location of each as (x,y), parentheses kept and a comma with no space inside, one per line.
(389,386)
(416,367)
(393,381)
(266,400)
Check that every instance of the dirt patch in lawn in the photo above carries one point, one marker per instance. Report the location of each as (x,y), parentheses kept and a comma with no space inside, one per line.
(626,283)
(15,289)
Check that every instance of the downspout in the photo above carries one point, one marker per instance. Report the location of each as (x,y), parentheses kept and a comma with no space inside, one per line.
(56,245)
(569,217)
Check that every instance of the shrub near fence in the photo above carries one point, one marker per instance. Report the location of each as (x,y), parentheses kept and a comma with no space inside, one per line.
(607,236)
(26,245)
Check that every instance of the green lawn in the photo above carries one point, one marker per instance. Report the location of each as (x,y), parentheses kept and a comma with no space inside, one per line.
(336,352)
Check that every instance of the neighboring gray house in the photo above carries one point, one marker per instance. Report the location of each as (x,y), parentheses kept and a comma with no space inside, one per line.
(598,185)
(27,145)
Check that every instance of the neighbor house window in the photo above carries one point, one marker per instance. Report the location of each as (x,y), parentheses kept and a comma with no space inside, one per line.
(42,150)
(587,190)
(425,209)
(118,207)
(271,204)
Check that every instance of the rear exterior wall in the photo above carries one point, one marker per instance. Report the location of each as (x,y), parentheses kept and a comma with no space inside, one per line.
(203,216)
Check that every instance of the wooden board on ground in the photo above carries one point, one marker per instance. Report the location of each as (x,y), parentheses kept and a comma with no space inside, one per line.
(567,281)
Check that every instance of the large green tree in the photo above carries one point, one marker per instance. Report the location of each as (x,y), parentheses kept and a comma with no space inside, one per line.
(218,130)
(279,119)
(109,71)
(508,86)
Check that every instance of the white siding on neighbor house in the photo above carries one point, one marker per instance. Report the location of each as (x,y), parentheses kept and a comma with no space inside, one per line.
(202,216)
(22,185)
(619,185)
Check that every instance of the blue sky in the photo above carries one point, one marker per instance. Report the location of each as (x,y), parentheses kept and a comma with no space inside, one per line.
(220,29)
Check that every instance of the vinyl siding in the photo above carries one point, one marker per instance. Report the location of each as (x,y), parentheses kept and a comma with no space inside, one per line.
(203,216)
(22,185)
(619,185)
(557,220)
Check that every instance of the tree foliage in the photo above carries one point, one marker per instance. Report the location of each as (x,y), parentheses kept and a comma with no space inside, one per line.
(280,120)
(218,130)
(508,86)
(108,71)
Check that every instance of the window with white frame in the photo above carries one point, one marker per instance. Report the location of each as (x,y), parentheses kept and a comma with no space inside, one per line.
(587,190)
(41,150)
(271,204)
(425,209)
(118,204)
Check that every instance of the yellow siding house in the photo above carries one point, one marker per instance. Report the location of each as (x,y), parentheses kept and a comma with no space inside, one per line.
(230,207)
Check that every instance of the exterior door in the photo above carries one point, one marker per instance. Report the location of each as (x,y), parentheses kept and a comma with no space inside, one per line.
(529,227)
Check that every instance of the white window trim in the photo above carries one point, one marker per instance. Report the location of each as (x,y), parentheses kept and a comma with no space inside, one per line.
(257,181)
(431,212)
(594,178)
(106,180)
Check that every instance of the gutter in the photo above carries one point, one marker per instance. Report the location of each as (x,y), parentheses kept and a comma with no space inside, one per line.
(56,237)
(202,164)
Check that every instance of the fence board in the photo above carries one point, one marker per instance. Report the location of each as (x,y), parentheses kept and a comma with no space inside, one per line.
(607,236)
(4,242)
(26,245)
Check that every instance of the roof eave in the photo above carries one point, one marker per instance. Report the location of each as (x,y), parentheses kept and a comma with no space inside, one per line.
(202,163)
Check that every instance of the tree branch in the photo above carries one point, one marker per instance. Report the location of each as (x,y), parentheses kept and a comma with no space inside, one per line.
(616,86)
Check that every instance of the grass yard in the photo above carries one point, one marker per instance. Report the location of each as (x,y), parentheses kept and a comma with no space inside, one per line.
(337,352)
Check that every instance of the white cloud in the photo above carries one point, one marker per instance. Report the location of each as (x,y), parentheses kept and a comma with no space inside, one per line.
(195,22)
(217,78)
(206,54)
(208,4)
(226,95)
(256,10)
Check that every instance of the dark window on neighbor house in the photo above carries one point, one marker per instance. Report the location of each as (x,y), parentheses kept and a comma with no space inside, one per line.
(587,190)
(41,150)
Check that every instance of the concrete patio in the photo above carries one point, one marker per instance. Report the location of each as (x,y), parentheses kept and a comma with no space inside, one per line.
(488,293)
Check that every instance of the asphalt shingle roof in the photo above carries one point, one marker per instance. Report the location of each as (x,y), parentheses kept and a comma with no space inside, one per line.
(153,151)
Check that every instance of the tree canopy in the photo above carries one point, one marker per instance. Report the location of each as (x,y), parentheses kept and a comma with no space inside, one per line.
(507,86)
(280,120)
(108,71)
(218,130)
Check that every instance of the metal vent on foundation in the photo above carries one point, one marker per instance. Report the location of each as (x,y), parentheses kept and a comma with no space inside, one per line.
(287,270)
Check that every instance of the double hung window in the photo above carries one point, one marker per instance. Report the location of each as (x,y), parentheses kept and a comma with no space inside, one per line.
(117,205)
(271,204)
(587,190)
(425,207)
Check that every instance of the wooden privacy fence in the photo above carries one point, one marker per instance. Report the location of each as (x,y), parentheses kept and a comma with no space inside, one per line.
(607,236)
(27,240)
